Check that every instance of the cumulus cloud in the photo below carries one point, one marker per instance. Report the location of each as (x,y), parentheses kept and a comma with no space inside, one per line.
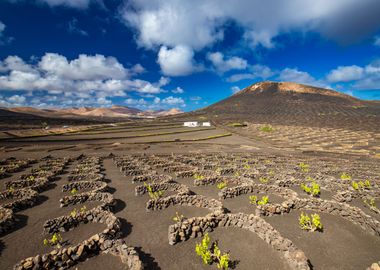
(177,61)
(377,41)
(55,73)
(12,101)
(178,90)
(156,103)
(3,38)
(199,23)
(345,74)
(223,65)
(357,77)
(256,71)
(295,75)
(2,28)
(80,4)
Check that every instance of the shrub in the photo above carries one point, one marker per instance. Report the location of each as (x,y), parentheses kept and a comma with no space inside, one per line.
(212,253)
(266,128)
(312,223)
(345,176)
(55,240)
(74,191)
(253,200)
(304,167)
(312,189)
(202,250)
(198,177)
(154,195)
(263,180)
(222,185)
(178,217)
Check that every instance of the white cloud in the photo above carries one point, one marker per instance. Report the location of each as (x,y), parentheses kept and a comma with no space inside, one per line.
(178,90)
(55,73)
(103,101)
(377,41)
(2,28)
(357,77)
(4,39)
(295,75)
(345,74)
(177,61)
(256,71)
(12,101)
(134,102)
(85,67)
(81,4)
(235,89)
(156,103)
(200,23)
(17,99)
(173,101)
(223,65)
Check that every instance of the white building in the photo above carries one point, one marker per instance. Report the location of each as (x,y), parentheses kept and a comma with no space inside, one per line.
(206,124)
(190,124)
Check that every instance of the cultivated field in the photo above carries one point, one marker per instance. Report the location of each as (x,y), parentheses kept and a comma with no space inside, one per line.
(143,195)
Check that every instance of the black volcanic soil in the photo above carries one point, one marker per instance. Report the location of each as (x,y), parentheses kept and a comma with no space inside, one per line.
(342,245)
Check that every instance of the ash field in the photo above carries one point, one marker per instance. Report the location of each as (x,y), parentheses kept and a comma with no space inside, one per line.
(287,176)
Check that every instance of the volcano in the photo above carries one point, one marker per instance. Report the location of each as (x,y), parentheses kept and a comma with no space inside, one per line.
(288,103)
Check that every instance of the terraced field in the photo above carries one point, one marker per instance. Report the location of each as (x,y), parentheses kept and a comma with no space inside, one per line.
(117,211)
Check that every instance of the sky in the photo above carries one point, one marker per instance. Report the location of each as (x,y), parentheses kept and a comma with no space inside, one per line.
(163,54)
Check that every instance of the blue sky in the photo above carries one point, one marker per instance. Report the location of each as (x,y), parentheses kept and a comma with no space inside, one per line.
(162,54)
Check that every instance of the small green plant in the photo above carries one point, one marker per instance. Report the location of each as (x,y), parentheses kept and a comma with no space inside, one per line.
(312,223)
(264,200)
(178,217)
(304,167)
(247,166)
(202,250)
(154,195)
(355,185)
(222,185)
(263,180)
(345,176)
(73,191)
(83,209)
(74,213)
(367,184)
(11,189)
(266,128)
(360,185)
(198,177)
(313,189)
(223,260)
(212,253)
(30,178)
(55,240)
(254,200)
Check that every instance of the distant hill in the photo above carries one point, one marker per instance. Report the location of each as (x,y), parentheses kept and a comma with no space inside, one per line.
(288,103)
(93,113)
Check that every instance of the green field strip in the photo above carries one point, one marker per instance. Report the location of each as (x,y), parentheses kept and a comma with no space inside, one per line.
(186,140)
(122,130)
(113,138)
